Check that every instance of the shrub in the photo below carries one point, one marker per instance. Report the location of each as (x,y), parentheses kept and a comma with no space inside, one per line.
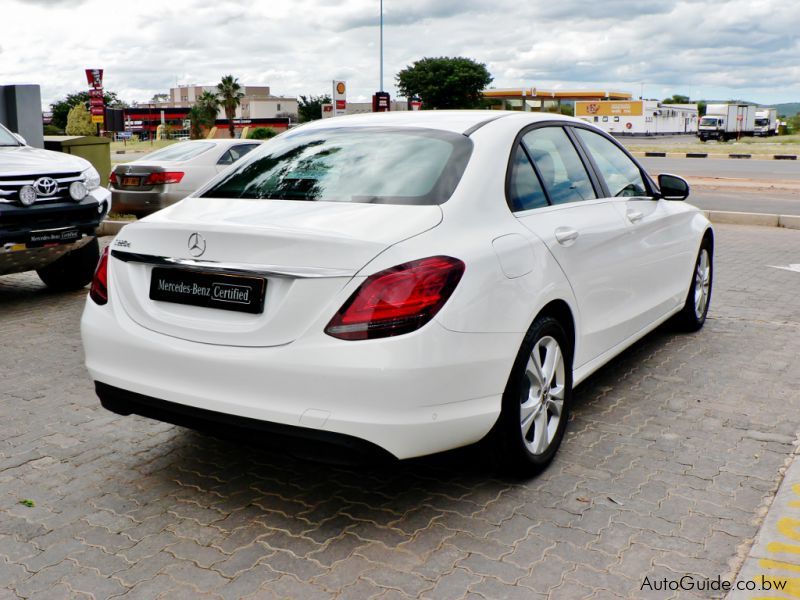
(262,133)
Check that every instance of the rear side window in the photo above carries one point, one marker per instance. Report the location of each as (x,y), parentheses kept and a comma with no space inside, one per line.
(235,153)
(179,151)
(525,191)
(559,165)
(380,165)
(622,176)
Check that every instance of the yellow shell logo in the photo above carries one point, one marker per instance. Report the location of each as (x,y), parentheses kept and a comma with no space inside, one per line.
(340,87)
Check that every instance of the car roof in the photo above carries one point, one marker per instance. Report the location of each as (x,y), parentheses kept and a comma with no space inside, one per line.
(457,121)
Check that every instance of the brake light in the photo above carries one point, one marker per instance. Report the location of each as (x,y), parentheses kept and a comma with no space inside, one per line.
(112,178)
(398,300)
(163,177)
(99,288)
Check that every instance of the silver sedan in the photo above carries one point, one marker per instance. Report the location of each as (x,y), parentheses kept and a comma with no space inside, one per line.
(165,176)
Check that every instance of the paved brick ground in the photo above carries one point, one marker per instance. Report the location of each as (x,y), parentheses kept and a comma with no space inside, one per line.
(671,450)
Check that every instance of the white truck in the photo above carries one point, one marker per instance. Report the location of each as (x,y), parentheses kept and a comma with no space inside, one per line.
(727,121)
(766,122)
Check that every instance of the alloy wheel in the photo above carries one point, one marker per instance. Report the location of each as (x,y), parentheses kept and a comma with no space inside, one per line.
(542,398)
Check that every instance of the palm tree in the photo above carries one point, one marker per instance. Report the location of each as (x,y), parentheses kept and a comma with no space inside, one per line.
(230,95)
(203,113)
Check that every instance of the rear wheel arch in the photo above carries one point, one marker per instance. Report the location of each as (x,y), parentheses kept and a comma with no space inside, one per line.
(561,312)
(708,237)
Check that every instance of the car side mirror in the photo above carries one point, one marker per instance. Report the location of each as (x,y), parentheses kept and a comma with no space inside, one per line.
(672,187)
(20,139)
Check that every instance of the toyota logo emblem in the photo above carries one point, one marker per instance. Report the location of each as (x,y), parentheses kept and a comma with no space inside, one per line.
(45,186)
(197,244)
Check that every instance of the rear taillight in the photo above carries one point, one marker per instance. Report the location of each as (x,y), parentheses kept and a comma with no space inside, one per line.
(163,177)
(99,289)
(398,300)
(112,179)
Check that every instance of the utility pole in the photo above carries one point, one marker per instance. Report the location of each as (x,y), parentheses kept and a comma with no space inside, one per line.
(381,86)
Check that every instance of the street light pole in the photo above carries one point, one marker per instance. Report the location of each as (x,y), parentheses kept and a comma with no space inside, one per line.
(381,86)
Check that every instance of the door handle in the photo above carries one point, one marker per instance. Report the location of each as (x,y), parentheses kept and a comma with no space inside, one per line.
(566,235)
(634,216)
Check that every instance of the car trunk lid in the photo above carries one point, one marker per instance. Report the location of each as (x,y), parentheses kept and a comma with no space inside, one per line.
(305,251)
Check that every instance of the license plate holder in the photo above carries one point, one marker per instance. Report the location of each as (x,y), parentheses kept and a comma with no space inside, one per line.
(131,181)
(53,236)
(208,289)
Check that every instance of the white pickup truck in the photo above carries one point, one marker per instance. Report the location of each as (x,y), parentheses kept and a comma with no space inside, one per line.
(50,206)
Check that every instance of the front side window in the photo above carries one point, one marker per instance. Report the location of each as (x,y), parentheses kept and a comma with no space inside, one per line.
(563,175)
(622,176)
(6,138)
(380,165)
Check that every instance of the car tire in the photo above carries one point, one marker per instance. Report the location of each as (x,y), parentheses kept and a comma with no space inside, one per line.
(693,314)
(534,416)
(73,270)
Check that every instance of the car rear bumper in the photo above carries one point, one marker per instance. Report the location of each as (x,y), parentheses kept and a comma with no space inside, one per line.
(142,202)
(412,395)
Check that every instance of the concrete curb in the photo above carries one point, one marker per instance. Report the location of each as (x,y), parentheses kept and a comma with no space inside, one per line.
(111,227)
(732,155)
(746,218)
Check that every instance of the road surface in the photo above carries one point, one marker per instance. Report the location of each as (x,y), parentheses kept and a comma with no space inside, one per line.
(757,169)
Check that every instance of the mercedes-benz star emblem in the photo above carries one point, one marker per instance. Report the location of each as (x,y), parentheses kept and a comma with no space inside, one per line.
(197,244)
(45,186)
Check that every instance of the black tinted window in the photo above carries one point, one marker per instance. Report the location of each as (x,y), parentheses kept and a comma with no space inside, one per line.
(559,165)
(525,190)
(380,165)
(235,153)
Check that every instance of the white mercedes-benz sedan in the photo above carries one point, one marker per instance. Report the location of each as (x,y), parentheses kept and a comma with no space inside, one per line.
(398,283)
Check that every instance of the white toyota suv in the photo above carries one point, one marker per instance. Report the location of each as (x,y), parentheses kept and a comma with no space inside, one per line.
(50,206)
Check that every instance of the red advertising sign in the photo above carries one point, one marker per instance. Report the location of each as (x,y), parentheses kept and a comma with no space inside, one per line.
(94,77)
(95,102)
(97,110)
(98,93)
(341,104)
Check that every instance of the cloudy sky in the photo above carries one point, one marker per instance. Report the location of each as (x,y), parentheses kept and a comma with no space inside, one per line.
(721,49)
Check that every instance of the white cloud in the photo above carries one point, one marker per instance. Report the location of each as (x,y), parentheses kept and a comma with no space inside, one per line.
(729,48)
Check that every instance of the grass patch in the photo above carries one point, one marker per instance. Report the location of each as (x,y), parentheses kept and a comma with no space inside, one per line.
(27,502)
(141,146)
(112,216)
(789,144)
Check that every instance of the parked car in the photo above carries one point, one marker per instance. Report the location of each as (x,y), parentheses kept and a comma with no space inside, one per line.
(50,205)
(402,283)
(163,177)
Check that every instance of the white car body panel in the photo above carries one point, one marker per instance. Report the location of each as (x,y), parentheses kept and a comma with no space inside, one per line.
(430,390)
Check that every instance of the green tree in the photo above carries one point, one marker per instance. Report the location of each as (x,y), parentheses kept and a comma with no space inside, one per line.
(203,114)
(230,96)
(677,99)
(262,133)
(61,108)
(79,121)
(445,82)
(793,124)
(309,108)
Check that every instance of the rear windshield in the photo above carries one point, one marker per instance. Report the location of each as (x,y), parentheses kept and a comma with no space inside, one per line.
(379,165)
(179,151)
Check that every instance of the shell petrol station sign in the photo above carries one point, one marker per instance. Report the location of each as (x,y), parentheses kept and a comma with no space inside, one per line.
(609,108)
(339,98)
